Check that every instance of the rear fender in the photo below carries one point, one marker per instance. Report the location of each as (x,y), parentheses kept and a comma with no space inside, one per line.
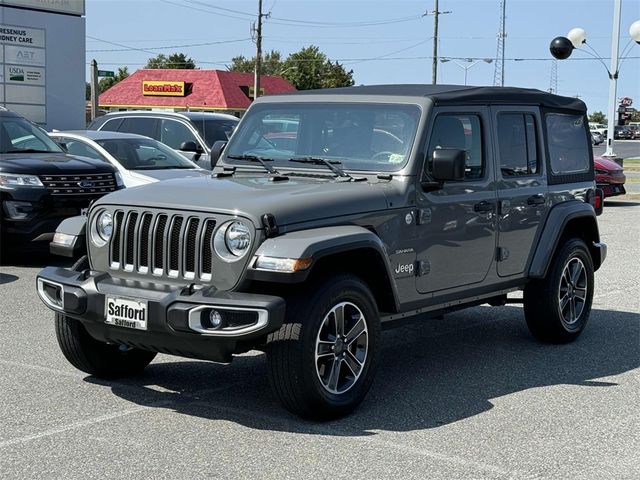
(574,218)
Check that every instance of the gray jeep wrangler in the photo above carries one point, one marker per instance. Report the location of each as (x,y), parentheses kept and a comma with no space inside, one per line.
(330,215)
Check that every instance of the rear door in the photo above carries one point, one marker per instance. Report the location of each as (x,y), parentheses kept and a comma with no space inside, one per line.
(521,185)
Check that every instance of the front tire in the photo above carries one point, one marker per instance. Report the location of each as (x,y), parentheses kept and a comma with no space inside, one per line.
(557,307)
(92,356)
(323,359)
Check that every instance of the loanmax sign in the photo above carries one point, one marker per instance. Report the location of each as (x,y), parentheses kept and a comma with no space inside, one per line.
(167,89)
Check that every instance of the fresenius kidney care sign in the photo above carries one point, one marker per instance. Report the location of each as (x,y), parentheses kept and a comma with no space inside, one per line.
(42,56)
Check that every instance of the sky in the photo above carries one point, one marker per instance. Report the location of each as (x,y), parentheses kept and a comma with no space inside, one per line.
(381,41)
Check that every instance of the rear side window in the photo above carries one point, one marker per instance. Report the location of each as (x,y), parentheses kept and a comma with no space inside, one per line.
(140,126)
(518,144)
(569,149)
(462,132)
(173,134)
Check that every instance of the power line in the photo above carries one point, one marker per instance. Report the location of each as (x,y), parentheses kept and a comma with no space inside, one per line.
(291,22)
(422,57)
(171,46)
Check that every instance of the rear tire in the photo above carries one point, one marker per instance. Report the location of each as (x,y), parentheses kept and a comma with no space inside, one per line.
(557,307)
(92,356)
(321,367)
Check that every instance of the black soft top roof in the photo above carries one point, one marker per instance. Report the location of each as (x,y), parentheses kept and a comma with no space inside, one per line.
(460,95)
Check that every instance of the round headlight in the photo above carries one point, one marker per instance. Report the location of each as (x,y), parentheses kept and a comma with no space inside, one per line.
(232,241)
(104,226)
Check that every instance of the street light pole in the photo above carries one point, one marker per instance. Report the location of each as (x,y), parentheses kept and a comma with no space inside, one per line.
(466,68)
(613,79)
(562,47)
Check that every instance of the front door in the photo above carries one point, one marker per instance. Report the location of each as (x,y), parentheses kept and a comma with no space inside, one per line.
(457,223)
(521,183)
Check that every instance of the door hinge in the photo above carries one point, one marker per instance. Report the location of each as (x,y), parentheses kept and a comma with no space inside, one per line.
(502,253)
(424,268)
(424,216)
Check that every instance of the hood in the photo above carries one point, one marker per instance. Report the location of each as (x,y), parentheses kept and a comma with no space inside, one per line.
(291,201)
(51,164)
(604,164)
(172,173)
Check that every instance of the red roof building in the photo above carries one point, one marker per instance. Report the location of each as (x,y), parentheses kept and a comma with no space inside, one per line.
(195,90)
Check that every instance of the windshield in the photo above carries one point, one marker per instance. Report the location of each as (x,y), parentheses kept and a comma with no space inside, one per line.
(19,135)
(214,130)
(144,154)
(374,137)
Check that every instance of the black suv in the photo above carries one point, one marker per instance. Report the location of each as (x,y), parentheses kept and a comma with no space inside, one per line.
(330,215)
(40,185)
(190,133)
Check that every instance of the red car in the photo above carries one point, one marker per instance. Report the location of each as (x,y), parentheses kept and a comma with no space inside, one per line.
(609,177)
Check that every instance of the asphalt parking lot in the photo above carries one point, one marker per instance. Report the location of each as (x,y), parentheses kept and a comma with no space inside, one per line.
(470,396)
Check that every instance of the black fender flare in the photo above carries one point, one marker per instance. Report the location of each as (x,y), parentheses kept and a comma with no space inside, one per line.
(317,244)
(557,220)
(74,228)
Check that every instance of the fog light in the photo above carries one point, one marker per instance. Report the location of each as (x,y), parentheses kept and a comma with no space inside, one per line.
(215,319)
(17,210)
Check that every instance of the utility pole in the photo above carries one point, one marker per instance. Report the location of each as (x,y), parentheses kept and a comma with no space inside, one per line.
(257,31)
(94,89)
(436,13)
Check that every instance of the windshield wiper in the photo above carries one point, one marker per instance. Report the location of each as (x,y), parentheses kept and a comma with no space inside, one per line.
(330,164)
(275,174)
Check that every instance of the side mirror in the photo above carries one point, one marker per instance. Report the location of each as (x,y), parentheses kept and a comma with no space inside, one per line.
(216,151)
(189,146)
(448,164)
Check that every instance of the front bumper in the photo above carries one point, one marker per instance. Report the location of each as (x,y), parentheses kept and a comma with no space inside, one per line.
(171,309)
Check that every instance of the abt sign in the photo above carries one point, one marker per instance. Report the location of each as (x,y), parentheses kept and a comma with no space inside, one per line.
(163,88)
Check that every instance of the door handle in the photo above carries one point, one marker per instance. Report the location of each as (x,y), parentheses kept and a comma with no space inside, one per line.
(537,199)
(484,206)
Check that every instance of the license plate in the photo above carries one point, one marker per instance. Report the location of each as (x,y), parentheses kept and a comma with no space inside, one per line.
(84,211)
(126,312)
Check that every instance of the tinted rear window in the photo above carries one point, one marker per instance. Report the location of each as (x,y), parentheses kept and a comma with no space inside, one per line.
(569,147)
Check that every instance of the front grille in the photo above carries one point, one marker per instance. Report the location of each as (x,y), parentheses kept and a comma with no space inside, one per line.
(94,184)
(175,245)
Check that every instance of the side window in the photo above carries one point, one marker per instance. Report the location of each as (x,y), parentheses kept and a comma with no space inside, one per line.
(568,145)
(173,133)
(111,125)
(76,147)
(462,132)
(517,144)
(141,126)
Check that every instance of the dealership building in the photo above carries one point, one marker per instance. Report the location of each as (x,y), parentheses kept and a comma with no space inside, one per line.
(188,89)
(42,61)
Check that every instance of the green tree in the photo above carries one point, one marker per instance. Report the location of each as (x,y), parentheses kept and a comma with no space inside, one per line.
(306,69)
(271,64)
(598,117)
(108,82)
(175,60)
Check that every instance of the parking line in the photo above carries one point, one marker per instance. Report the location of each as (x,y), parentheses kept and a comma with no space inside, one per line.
(74,426)
(42,369)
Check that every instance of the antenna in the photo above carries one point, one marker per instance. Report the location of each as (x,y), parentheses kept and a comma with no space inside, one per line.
(553,80)
(498,73)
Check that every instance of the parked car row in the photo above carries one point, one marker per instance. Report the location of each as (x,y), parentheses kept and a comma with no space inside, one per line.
(47,177)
